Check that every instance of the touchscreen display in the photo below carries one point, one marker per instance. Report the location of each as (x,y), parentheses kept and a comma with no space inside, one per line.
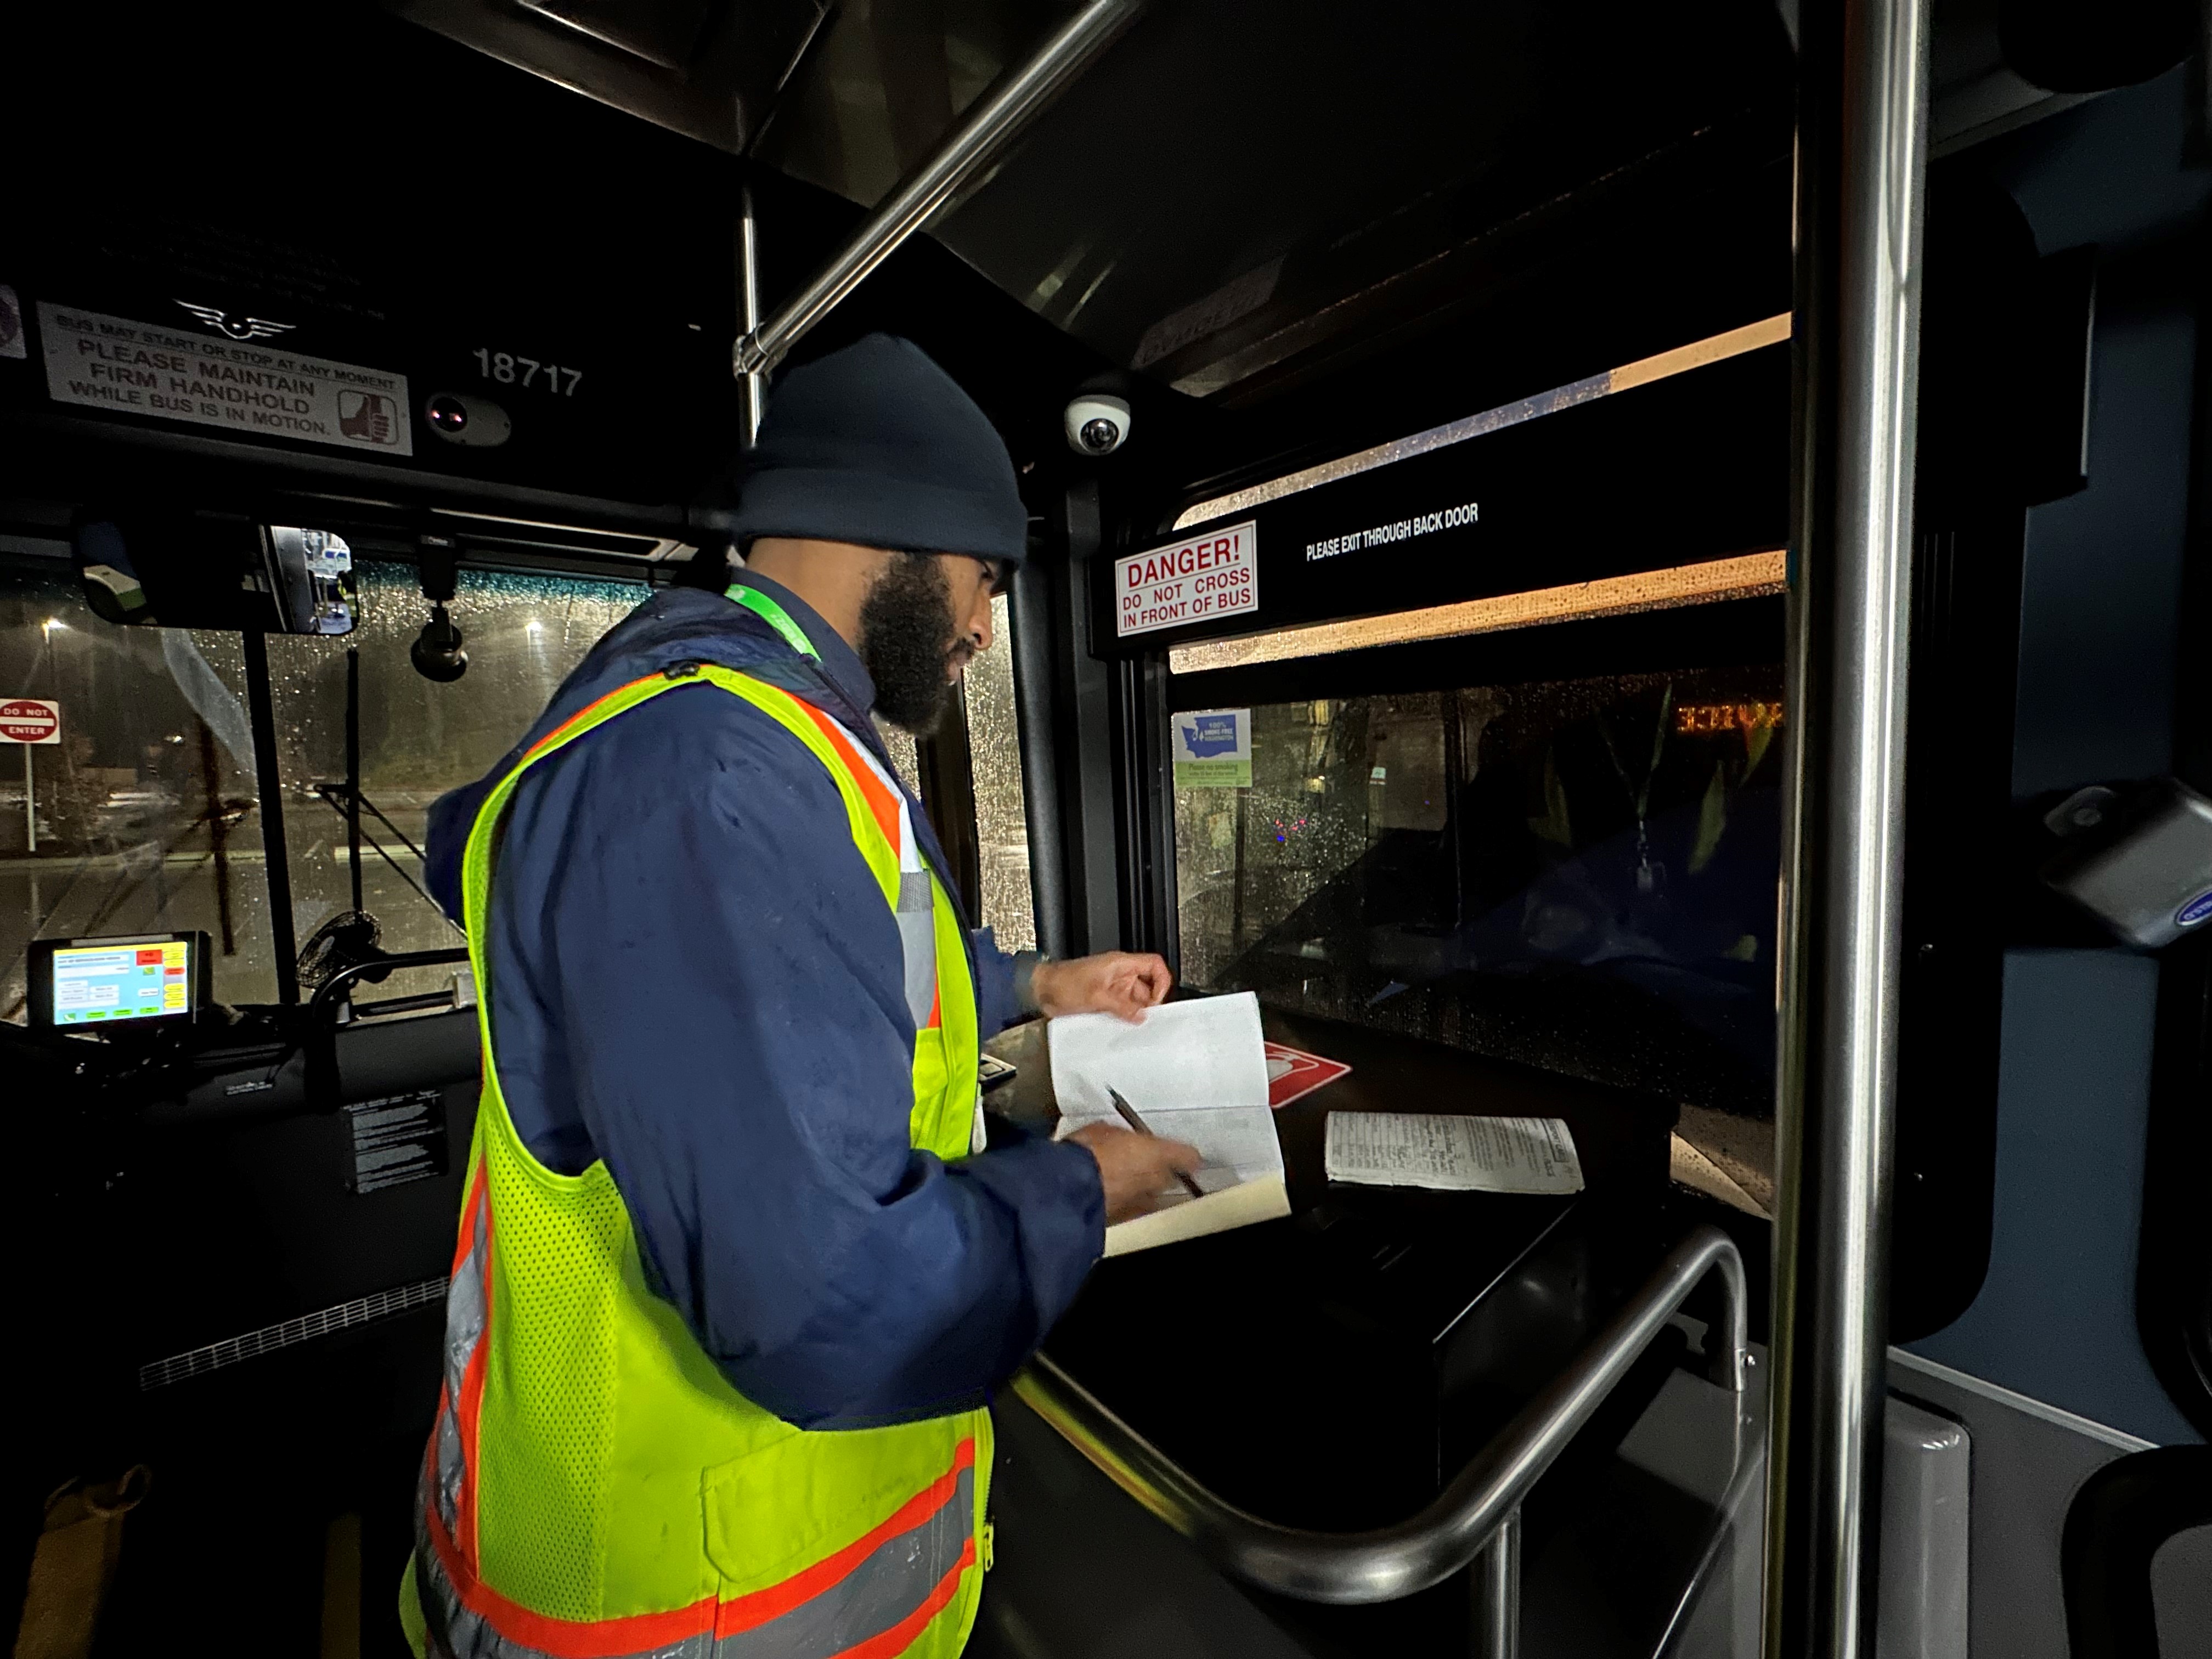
(102,982)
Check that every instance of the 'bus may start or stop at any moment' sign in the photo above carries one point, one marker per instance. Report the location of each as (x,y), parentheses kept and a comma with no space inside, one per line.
(1213,574)
(30,719)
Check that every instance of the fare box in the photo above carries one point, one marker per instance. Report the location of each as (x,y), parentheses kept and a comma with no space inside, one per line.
(1211,575)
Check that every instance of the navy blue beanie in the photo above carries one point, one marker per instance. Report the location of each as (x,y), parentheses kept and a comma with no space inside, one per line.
(875,444)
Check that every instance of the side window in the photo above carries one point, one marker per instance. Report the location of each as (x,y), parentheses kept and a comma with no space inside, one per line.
(418,739)
(968,774)
(995,752)
(904,760)
(142,818)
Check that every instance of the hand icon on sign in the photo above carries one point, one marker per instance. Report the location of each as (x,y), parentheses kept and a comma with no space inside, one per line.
(365,416)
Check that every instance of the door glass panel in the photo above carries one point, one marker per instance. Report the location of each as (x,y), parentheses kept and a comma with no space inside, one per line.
(1580,874)
(995,758)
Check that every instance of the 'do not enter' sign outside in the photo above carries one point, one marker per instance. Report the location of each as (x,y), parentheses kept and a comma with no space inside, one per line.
(30,719)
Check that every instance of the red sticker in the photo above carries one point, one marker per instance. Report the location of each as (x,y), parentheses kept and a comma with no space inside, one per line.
(1292,1074)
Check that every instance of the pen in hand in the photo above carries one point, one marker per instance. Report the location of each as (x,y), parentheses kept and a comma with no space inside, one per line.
(1129,1116)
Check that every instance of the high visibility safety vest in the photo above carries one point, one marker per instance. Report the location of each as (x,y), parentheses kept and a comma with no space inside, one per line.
(594,1486)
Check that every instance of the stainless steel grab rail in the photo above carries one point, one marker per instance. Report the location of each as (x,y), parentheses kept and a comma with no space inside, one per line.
(979,138)
(1381,1565)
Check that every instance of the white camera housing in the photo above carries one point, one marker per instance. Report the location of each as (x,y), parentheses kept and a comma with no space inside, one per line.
(1095,424)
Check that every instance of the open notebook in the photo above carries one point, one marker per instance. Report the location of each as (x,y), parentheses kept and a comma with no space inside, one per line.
(1195,1071)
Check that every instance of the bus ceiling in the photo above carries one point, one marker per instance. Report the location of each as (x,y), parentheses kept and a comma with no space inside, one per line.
(1284,232)
(1357,172)
(1242,195)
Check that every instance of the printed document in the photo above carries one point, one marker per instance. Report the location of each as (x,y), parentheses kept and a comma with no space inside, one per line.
(1195,1071)
(1457,1154)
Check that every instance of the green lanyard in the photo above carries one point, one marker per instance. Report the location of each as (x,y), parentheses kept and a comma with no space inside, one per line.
(776,617)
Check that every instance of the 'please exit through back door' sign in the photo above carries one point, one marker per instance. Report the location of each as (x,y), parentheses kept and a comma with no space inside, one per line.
(1213,574)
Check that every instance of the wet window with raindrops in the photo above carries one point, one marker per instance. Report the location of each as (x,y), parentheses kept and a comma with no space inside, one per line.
(146,816)
(419,738)
(1581,874)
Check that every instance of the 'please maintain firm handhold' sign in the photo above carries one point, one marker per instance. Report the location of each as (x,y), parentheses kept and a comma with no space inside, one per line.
(1213,574)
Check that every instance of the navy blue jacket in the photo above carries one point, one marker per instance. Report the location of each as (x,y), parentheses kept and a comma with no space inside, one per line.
(694,978)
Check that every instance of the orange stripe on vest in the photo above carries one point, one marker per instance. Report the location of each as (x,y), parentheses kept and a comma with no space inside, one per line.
(881,802)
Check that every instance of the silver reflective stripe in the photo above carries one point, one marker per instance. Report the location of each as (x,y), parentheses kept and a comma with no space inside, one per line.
(471,1638)
(915,905)
(887,1587)
(918,944)
(464,1300)
(452,1631)
(464,1329)
(449,1466)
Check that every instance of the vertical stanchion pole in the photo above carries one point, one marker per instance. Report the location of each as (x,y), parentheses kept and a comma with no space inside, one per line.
(1495,1578)
(30,804)
(269,781)
(353,771)
(753,381)
(1860,175)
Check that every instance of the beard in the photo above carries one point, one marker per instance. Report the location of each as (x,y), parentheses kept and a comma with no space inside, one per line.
(907,641)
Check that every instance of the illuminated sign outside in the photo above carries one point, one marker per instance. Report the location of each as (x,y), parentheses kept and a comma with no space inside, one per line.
(1698,719)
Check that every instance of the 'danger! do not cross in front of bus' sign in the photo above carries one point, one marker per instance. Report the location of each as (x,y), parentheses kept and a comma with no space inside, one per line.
(1213,574)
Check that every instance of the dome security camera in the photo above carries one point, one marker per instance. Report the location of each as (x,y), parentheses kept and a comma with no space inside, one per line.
(1095,424)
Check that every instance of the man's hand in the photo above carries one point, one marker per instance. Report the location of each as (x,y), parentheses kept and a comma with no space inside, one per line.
(1121,982)
(1134,1169)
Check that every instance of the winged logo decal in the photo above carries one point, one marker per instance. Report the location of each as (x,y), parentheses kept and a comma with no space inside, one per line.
(249,328)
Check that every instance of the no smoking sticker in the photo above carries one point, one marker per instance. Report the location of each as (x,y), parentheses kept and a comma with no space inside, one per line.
(1210,576)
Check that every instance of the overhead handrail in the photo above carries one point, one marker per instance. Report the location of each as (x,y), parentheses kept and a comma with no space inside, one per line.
(1353,1568)
(979,138)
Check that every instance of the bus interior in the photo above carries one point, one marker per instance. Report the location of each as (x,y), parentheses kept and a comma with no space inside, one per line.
(1442,428)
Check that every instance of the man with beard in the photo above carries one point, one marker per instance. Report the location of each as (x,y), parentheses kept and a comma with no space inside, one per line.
(738,1271)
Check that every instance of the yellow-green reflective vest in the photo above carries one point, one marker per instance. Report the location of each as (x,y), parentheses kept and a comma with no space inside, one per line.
(594,1486)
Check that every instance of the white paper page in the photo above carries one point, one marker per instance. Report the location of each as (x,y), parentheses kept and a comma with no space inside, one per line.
(1237,1142)
(1457,1154)
(1205,1051)
(1193,1071)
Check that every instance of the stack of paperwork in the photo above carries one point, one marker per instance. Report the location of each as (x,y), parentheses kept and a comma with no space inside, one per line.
(1457,1154)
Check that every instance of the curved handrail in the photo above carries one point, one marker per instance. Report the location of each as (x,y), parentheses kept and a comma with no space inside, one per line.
(1352,1568)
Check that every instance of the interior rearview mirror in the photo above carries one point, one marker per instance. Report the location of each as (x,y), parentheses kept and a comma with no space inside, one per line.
(202,570)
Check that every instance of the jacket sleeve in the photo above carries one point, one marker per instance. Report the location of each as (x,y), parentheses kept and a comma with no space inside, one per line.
(727,979)
(1003,991)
